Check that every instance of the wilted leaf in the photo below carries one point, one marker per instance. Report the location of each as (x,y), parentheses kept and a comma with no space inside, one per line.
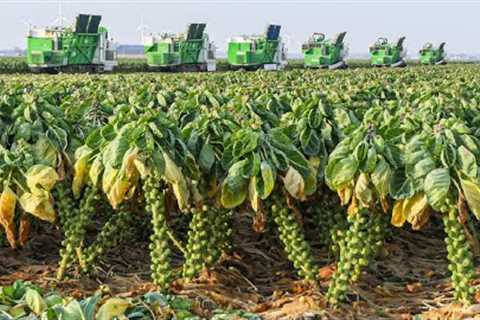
(108,178)
(8,201)
(294,184)
(398,216)
(40,207)
(113,307)
(174,175)
(363,193)
(95,171)
(41,178)
(118,191)
(24,229)
(345,193)
(35,301)
(353,207)
(417,210)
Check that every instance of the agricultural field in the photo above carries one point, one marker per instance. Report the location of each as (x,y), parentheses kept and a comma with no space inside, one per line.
(349,194)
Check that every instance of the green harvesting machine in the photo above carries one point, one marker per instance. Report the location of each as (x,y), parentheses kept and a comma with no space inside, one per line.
(253,52)
(192,51)
(84,47)
(384,54)
(431,55)
(319,52)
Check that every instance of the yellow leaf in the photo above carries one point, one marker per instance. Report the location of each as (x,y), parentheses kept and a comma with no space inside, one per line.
(294,183)
(8,202)
(82,155)
(420,219)
(253,195)
(345,193)
(41,178)
(112,308)
(414,205)
(80,176)
(95,170)
(128,165)
(24,229)
(398,216)
(141,168)
(175,177)
(118,191)
(362,191)
(108,178)
(353,207)
(39,206)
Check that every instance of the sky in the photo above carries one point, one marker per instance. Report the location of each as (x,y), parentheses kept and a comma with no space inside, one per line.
(455,22)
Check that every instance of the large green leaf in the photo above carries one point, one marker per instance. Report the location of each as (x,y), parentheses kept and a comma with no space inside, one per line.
(207,157)
(235,185)
(471,191)
(436,187)
(114,152)
(265,185)
(467,162)
(340,172)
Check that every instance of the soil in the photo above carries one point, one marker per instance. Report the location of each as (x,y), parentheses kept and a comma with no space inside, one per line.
(410,277)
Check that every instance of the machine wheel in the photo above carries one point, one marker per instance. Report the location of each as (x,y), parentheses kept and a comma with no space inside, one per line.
(441,62)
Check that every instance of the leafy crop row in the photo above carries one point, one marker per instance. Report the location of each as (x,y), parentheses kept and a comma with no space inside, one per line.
(362,151)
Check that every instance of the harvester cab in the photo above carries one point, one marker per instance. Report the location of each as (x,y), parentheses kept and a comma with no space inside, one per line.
(384,54)
(84,47)
(320,52)
(258,51)
(189,51)
(431,55)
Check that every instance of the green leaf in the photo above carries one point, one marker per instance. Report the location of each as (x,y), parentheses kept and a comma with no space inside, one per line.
(436,187)
(45,152)
(472,195)
(235,186)
(467,162)
(35,301)
(207,157)
(72,311)
(340,172)
(114,152)
(381,177)
(266,184)
(423,167)
(89,305)
(401,187)
(53,300)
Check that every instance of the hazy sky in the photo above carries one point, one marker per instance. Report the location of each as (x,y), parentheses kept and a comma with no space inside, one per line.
(456,22)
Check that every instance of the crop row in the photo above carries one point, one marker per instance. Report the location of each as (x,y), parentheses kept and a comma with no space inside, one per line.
(362,151)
